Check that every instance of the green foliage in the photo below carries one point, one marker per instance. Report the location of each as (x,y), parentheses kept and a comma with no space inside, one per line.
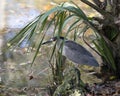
(35,30)
(106,53)
(70,83)
(64,14)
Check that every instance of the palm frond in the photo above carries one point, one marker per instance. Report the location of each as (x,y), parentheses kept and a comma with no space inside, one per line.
(105,52)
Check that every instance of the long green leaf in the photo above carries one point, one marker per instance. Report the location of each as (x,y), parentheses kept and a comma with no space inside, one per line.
(106,53)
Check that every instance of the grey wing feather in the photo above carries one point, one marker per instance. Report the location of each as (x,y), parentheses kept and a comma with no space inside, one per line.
(73,46)
(78,54)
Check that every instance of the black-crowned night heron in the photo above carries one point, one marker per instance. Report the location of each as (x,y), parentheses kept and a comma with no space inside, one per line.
(74,52)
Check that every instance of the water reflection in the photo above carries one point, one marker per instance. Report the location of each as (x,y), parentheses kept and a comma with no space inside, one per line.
(18,16)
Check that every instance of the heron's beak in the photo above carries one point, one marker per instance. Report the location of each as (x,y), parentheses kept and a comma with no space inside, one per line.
(50,41)
(47,42)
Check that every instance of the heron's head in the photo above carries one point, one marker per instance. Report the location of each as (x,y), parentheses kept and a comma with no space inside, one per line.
(53,39)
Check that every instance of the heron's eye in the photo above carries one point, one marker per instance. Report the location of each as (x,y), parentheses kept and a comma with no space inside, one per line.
(53,39)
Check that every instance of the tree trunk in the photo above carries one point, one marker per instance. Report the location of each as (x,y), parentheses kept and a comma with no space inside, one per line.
(109,28)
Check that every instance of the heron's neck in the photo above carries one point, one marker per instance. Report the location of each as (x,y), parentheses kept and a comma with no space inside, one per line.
(60,42)
(61,38)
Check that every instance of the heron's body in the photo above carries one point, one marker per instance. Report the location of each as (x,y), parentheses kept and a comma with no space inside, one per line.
(75,52)
(78,54)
